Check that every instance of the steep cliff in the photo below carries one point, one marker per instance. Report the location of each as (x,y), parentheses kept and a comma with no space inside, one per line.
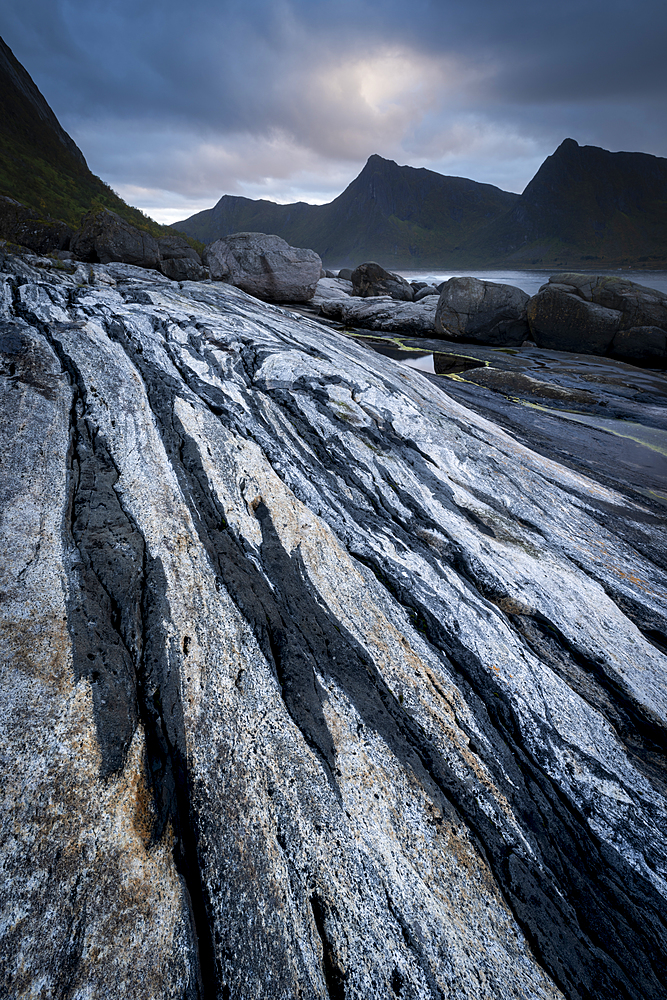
(40,164)
(315,683)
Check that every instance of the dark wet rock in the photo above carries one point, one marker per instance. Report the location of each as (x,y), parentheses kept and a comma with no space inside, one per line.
(642,343)
(315,683)
(179,261)
(345,273)
(639,304)
(105,237)
(564,321)
(265,266)
(371,279)
(629,306)
(482,311)
(425,290)
(24,227)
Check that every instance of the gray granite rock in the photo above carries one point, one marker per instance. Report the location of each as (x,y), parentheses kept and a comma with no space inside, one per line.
(315,683)
(179,261)
(265,266)
(609,308)
(641,343)
(564,321)
(382,313)
(485,312)
(331,288)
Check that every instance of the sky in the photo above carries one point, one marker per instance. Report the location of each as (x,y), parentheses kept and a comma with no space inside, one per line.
(179,102)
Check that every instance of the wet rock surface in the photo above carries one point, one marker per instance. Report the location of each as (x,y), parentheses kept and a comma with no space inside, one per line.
(316,683)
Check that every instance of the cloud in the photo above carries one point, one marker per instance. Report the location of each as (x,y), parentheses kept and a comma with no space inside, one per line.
(287,98)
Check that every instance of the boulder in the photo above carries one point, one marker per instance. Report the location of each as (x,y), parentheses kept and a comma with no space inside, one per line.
(265,266)
(180,261)
(371,279)
(331,288)
(563,321)
(424,291)
(640,343)
(24,227)
(104,237)
(383,313)
(638,304)
(482,311)
(345,273)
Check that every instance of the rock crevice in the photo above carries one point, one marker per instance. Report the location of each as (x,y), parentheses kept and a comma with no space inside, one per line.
(347,679)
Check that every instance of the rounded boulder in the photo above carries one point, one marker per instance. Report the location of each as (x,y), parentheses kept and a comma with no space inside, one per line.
(482,311)
(265,266)
(562,321)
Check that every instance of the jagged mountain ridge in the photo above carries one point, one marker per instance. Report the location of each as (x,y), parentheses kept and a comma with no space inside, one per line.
(390,212)
(585,204)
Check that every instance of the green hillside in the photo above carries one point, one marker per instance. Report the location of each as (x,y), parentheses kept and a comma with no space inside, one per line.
(41,166)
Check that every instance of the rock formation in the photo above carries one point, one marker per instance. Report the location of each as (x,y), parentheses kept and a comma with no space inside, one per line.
(104,237)
(371,279)
(487,312)
(24,227)
(599,314)
(265,266)
(382,313)
(315,683)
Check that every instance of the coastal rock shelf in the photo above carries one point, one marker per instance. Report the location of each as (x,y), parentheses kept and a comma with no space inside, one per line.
(316,683)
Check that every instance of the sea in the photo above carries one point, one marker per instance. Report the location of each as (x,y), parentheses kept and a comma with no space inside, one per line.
(531,281)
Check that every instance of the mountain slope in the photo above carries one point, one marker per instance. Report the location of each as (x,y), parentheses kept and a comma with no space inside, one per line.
(587,204)
(40,164)
(405,215)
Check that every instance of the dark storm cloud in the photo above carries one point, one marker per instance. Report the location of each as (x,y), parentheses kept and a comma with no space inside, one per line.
(292,96)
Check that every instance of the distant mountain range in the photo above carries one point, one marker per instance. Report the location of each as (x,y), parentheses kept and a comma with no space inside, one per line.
(584,207)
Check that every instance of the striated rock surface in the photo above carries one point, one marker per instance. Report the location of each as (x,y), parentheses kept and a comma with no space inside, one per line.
(483,311)
(265,266)
(315,683)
